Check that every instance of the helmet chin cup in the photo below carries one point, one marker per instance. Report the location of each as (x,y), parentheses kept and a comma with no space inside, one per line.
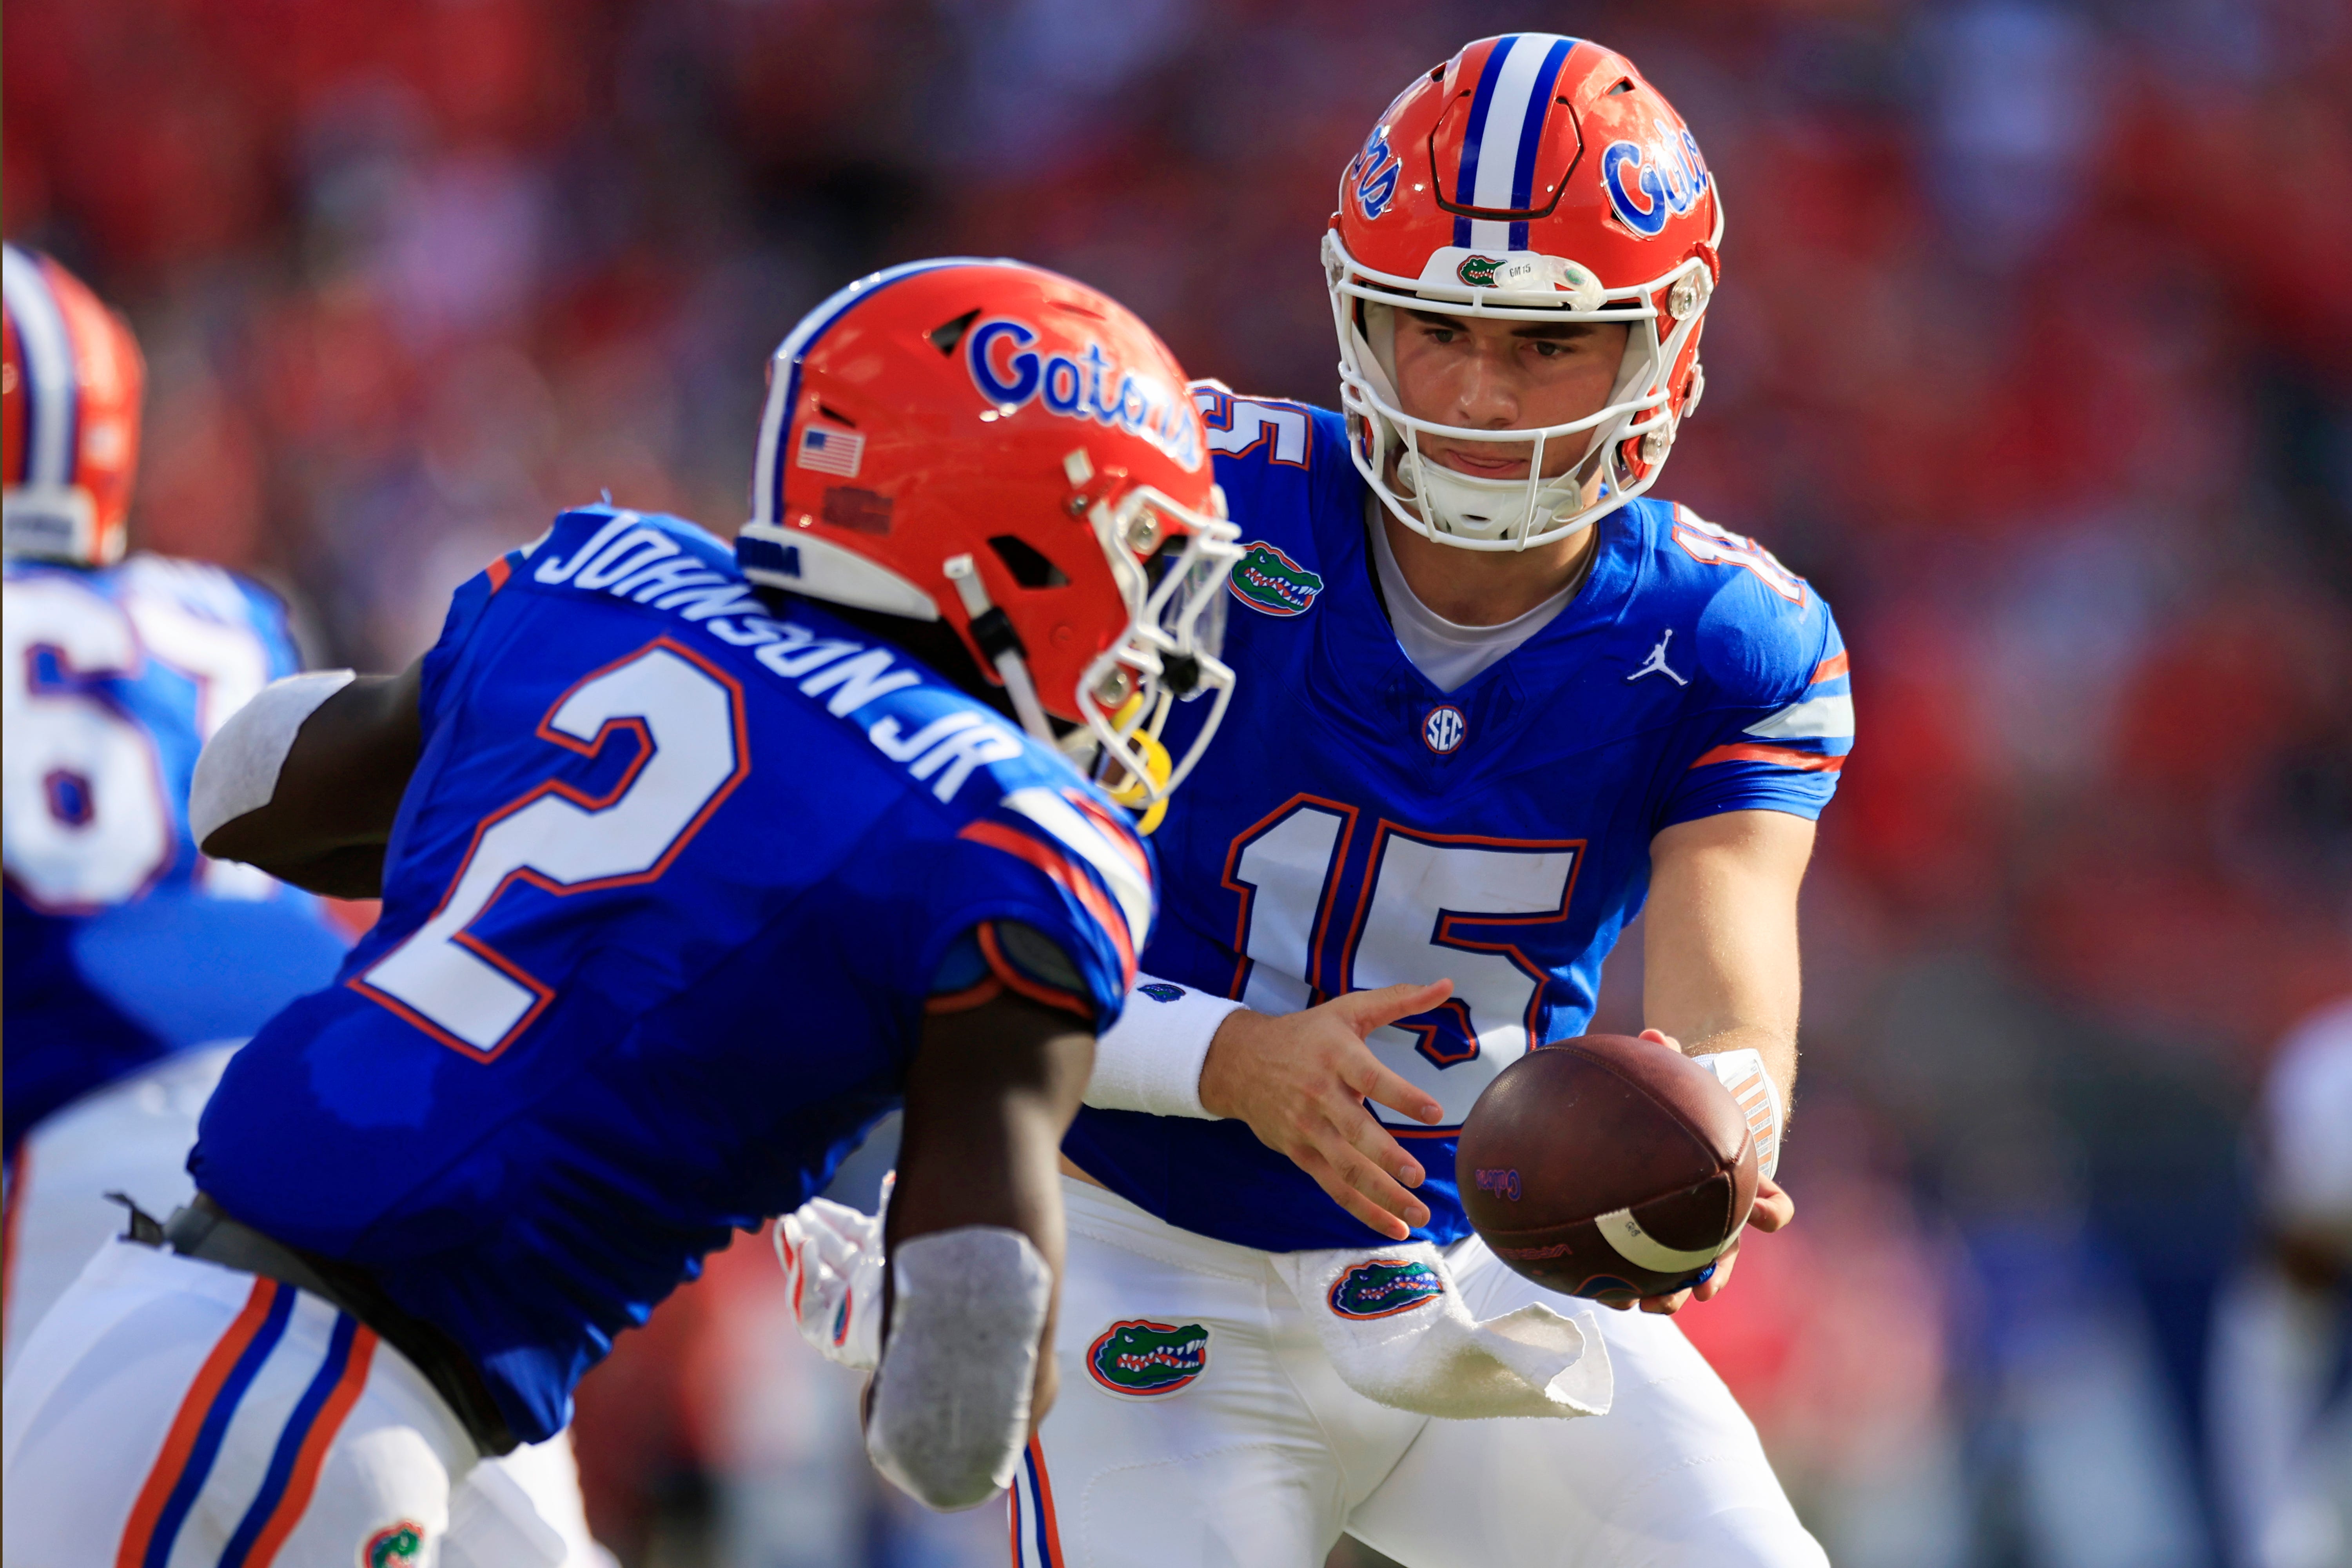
(1459,506)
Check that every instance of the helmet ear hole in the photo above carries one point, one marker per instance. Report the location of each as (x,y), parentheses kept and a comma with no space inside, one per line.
(1030,566)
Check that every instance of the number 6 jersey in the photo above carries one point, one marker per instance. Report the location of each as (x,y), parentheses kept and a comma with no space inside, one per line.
(1354,826)
(123,943)
(668,887)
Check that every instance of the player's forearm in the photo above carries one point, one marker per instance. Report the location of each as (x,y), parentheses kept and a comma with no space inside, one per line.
(1720,968)
(974,1241)
(989,1095)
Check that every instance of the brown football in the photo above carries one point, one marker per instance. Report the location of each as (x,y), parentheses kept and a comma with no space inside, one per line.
(1607,1167)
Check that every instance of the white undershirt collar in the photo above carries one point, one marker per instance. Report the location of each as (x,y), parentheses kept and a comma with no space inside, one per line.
(1451,656)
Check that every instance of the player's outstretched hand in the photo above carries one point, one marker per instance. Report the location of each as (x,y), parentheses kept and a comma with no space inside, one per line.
(1300,1082)
(1773,1209)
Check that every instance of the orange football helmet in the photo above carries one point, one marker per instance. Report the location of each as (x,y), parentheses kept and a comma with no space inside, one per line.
(70,393)
(1529,178)
(999,448)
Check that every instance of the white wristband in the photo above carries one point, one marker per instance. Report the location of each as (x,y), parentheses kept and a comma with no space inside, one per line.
(1150,1059)
(1742,1072)
(237,771)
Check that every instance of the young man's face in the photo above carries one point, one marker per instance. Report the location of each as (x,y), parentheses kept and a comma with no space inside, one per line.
(1503,375)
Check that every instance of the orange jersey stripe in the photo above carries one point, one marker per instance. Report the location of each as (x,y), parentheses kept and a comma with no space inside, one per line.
(497,572)
(1779,756)
(312,1456)
(1022,985)
(1077,883)
(1828,670)
(965,1000)
(1045,1504)
(137,1534)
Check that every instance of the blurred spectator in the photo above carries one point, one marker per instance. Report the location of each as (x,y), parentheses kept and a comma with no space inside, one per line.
(2281,1367)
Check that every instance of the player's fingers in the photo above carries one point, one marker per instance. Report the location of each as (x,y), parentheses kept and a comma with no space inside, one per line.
(1375,1142)
(1659,1038)
(1364,1174)
(1368,1010)
(1347,1198)
(1712,1286)
(1774,1208)
(1666,1306)
(1372,1081)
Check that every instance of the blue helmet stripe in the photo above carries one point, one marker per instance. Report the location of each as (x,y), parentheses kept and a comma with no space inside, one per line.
(45,350)
(1465,181)
(1523,176)
(789,355)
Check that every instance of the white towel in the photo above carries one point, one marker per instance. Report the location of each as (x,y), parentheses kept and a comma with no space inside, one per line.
(1398,1333)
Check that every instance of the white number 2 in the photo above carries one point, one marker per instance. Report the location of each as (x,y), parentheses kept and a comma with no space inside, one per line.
(689,719)
(1421,890)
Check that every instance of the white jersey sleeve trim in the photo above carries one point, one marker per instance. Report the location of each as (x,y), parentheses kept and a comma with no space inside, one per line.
(1150,1059)
(1817,718)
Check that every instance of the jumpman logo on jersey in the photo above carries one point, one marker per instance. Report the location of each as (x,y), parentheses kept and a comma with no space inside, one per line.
(1656,663)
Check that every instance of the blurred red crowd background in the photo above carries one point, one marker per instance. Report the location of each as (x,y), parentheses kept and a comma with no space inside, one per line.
(2033,353)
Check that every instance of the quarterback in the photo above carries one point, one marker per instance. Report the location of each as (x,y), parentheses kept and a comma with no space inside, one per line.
(1494,696)
(135,964)
(689,873)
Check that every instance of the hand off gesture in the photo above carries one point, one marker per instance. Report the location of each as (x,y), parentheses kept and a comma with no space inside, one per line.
(1300,1082)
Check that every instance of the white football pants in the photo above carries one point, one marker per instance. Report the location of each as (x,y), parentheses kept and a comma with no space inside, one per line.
(133,1137)
(1266,1457)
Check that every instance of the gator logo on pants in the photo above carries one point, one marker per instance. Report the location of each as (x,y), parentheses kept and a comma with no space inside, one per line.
(400,1546)
(1272,583)
(1138,1356)
(1385,1287)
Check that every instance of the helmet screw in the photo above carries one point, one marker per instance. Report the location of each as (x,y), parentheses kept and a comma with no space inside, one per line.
(1686,298)
(1143,533)
(1113,689)
(1655,445)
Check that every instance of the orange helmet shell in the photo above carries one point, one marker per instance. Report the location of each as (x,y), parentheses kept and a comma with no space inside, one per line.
(962,407)
(70,396)
(1528,143)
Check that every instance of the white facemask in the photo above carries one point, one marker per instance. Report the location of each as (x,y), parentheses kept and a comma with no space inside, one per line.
(1457,509)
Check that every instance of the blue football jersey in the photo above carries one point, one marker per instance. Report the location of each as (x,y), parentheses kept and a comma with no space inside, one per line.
(122,944)
(1352,827)
(666,895)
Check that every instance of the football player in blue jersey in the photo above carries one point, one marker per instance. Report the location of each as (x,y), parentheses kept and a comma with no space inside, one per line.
(1496,697)
(695,861)
(134,963)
